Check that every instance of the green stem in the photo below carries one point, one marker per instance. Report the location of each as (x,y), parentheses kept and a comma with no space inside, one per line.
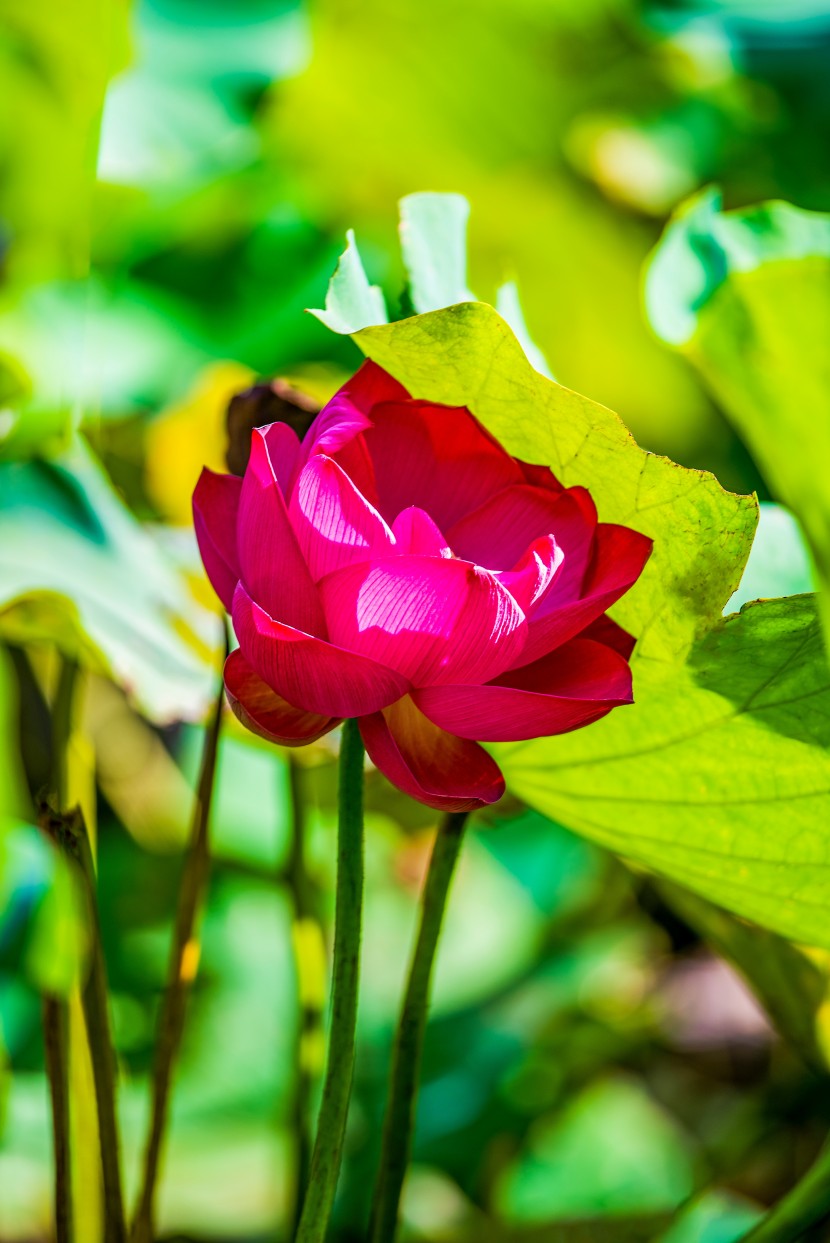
(102,1054)
(309,1005)
(70,832)
(55,1043)
(55,1015)
(331,1123)
(181,970)
(805,1207)
(63,712)
(396,1141)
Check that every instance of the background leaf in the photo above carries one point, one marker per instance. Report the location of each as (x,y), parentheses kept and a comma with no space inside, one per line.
(55,64)
(612,1151)
(792,983)
(746,296)
(433,231)
(714,1218)
(779,560)
(75,567)
(43,914)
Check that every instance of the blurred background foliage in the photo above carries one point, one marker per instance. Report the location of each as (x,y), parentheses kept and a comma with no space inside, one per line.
(176,178)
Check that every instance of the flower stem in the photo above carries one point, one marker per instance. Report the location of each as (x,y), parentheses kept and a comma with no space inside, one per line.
(182,968)
(331,1124)
(396,1141)
(56,1048)
(805,1207)
(308,937)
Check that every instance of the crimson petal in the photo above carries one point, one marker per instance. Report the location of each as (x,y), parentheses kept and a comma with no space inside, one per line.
(498,533)
(215,511)
(607,631)
(436,458)
(540,476)
(273,567)
(436,768)
(371,385)
(266,713)
(617,562)
(571,687)
(308,672)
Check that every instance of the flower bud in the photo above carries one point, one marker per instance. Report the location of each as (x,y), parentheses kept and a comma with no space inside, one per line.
(273,401)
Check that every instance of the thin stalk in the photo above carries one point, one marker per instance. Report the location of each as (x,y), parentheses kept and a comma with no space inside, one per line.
(55,1043)
(331,1124)
(181,971)
(55,1013)
(102,1054)
(804,1208)
(398,1125)
(69,831)
(307,933)
(63,712)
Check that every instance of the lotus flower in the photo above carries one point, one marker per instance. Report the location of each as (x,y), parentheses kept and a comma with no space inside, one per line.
(399,566)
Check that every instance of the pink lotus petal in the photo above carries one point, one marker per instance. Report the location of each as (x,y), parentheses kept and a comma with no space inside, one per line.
(266,713)
(416,532)
(571,687)
(308,672)
(215,509)
(534,574)
(347,414)
(283,445)
(337,423)
(434,620)
(447,773)
(273,567)
(617,561)
(335,526)
(436,458)
(498,533)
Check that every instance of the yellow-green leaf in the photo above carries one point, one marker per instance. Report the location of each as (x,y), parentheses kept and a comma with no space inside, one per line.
(718,777)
